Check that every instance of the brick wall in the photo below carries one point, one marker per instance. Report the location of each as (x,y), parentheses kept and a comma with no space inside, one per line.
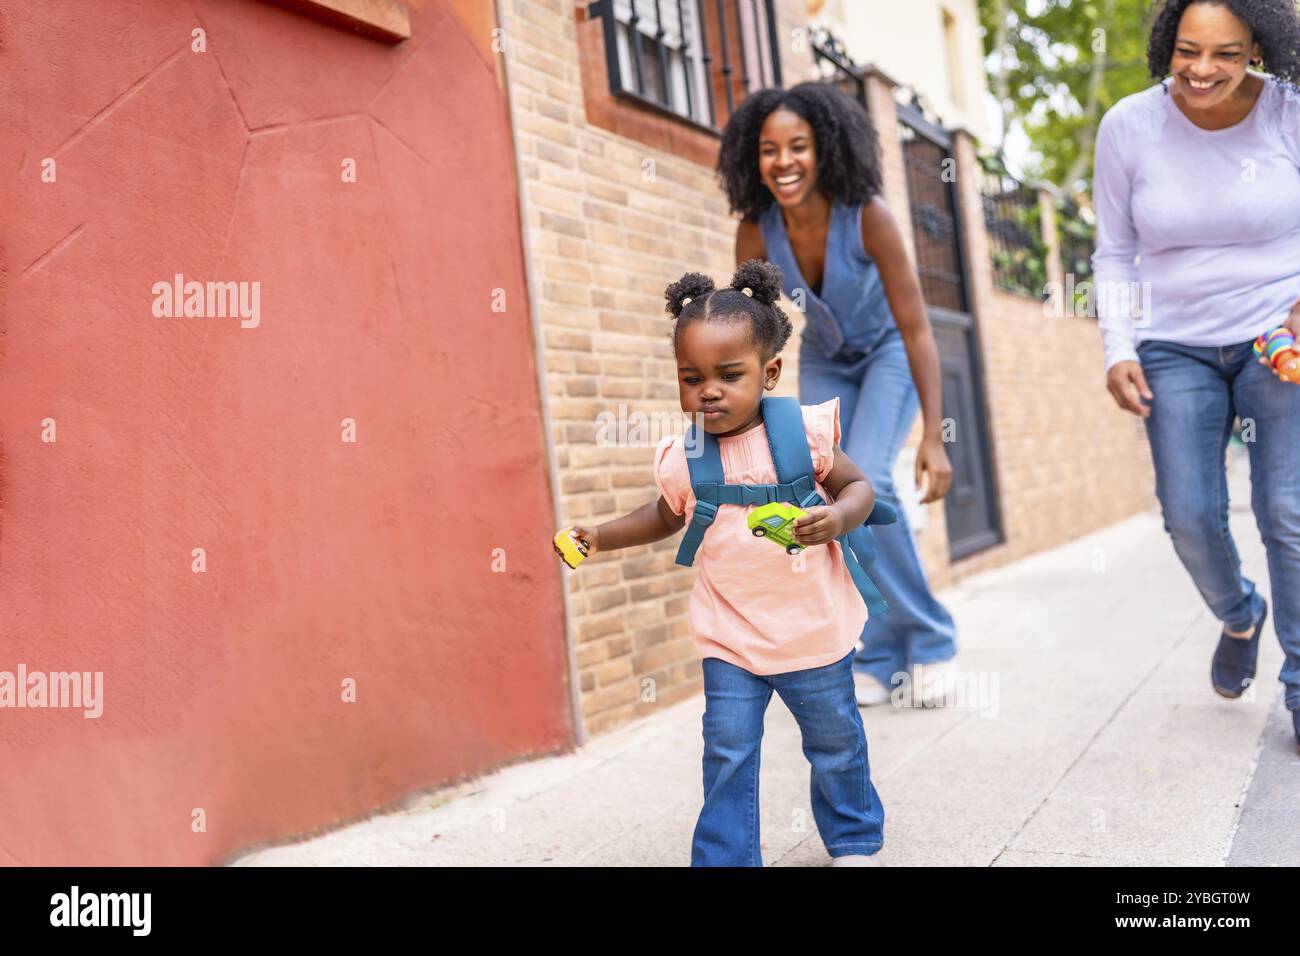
(609,222)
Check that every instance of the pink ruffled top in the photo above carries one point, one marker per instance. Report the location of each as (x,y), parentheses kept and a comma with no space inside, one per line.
(754,605)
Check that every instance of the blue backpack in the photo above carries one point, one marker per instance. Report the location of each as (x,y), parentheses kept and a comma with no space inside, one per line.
(795,483)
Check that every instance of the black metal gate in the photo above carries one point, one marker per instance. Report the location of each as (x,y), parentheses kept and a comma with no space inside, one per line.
(971,507)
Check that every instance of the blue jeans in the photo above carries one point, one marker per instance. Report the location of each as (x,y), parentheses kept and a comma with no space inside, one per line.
(845,804)
(1198,392)
(878,405)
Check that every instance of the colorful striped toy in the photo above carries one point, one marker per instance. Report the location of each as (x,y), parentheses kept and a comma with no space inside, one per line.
(1277,350)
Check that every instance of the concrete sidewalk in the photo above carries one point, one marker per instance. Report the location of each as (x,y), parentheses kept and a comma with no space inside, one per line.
(1086,733)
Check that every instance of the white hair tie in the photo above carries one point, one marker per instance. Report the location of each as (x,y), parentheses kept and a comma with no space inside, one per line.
(686,301)
(748,291)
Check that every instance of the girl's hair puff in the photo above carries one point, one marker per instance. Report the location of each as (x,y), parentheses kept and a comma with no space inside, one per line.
(752,296)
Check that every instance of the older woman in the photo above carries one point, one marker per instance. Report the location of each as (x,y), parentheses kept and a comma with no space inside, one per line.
(1198,178)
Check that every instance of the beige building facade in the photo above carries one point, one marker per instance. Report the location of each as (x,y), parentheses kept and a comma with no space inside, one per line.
(932,46)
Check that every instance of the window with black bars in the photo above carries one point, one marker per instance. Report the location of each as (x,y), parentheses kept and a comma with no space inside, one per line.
(696,59)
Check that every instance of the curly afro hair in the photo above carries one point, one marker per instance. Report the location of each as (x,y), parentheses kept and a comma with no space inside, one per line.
(848,151)
(693,298)
(1275,25)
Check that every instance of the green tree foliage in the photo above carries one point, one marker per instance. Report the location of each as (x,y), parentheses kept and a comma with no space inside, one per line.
(1055,66)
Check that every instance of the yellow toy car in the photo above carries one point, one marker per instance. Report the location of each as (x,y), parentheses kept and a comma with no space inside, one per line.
(775,521)
(570,549)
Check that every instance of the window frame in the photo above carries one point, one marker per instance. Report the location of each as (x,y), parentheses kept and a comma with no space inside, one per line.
(761,52)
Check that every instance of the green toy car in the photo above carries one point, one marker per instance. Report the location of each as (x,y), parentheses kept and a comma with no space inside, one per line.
(775,521)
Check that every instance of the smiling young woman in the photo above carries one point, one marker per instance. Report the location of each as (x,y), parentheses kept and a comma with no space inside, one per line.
(1196,186)
(802,168)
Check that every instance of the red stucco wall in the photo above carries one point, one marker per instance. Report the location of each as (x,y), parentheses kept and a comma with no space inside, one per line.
(326,560)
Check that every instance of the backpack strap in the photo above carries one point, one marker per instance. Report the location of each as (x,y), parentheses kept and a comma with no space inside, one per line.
(792,457)
(796,478)
(882,513)
(706,477)
(783,419)
(783,422)
(857,554)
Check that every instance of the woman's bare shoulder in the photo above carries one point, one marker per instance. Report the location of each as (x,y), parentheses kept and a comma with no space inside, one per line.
(879,227)
(876,213)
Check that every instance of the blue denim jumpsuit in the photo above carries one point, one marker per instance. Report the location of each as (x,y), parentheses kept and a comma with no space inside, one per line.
(851,348)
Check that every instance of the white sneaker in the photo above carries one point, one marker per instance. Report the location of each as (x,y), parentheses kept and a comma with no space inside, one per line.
(933,684)
(869,690)
(856,859)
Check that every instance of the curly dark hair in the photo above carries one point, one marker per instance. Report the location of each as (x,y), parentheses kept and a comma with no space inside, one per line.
(693,298)
(848,152)
(1275,25)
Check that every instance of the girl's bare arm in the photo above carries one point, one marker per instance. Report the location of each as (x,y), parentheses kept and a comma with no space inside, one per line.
(649,523)
(852,499)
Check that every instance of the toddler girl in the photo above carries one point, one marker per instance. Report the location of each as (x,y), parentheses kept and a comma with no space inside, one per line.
(761,619)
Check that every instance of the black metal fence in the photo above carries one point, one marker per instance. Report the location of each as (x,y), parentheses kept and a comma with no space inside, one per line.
(834,65)
(1014,224)
(1077,232)
(694,58)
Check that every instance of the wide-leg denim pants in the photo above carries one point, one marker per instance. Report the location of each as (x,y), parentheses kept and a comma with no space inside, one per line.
(845,804)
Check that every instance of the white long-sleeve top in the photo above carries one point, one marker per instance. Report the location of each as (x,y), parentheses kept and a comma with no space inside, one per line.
(1201,227)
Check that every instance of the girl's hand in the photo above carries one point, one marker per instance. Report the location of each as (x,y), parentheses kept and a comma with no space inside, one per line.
(822,523)
(932,460)
(589,536)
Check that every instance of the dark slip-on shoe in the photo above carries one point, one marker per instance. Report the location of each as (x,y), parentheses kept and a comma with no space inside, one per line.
(1233,667)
